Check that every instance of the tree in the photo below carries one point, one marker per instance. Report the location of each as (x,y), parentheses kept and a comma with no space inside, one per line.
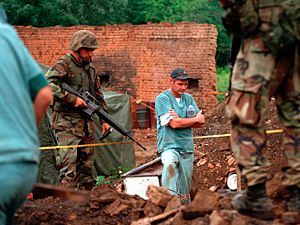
(210,12)
(155,11)
(44,13)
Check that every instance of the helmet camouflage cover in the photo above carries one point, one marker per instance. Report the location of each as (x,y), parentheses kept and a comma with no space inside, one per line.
(83,39)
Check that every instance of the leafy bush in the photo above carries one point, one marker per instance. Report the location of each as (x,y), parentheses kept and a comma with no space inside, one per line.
(223,79)
(115,172)
(102,180)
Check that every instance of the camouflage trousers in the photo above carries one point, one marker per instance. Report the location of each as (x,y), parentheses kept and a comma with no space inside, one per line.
(257,76)
(75,164)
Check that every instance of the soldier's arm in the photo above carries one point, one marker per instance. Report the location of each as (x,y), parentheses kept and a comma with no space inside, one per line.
(55,77)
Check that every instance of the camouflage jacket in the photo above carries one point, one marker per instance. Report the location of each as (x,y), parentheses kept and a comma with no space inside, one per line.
(79,77)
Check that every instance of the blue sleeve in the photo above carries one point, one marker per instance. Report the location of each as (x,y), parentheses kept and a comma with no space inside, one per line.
(36,84)
(162,105)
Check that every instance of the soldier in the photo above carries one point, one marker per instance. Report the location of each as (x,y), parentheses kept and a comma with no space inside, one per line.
(71,125)
(267,65)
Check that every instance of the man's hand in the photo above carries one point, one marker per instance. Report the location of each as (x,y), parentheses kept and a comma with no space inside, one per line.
(105,127)
(173,114)
(80,103)
(200,118)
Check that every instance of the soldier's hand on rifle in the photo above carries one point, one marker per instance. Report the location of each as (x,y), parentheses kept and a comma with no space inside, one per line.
(105,127)
(80,103)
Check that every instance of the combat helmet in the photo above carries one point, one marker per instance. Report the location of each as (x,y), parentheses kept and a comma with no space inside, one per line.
(83,39)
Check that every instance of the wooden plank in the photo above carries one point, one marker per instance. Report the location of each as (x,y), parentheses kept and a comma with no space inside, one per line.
(41,190)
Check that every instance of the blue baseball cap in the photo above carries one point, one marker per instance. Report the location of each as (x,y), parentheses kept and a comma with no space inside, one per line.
(180,74)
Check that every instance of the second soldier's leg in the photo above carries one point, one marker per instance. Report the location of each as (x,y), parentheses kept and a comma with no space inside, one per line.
(247,107)
(84,168)
(288,101)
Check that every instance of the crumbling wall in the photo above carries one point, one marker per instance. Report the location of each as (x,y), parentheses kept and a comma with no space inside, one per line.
(139,58)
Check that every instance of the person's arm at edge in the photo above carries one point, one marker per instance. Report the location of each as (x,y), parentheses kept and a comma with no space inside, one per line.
(41,95)
(41,102)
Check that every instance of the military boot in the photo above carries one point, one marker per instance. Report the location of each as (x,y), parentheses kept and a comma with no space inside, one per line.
(254,202)
(292,215)
(293,200)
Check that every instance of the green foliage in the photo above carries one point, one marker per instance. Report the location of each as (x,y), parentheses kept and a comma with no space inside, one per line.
(210,12)
(223,79)
(119,170)
(115,172)
(44,13)
(155,11)
(101,180)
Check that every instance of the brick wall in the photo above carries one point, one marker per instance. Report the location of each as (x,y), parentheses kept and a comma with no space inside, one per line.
(139,57)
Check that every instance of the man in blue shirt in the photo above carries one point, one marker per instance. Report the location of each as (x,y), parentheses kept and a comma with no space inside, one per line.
(25,97)
(177,113)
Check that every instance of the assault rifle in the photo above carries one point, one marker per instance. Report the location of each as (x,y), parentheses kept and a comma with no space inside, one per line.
(93,106)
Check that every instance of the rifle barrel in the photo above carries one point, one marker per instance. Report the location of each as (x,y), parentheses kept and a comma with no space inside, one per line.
(102,114)
(105,116)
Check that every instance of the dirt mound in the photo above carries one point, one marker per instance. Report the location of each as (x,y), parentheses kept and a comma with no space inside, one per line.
(213,158)
(105,206)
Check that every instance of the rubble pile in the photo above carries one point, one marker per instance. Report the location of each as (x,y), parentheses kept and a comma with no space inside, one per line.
(106,206)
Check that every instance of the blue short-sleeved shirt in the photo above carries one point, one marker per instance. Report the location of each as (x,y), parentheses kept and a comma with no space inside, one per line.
(20,79)
(167,137)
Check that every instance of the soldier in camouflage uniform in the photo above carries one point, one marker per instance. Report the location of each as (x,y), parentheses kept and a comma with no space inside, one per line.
(265,68)
(72,126)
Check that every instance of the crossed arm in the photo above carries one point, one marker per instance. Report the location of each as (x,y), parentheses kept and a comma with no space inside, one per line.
(194,122)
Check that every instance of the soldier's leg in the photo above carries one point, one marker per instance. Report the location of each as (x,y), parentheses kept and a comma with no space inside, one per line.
(84,167)
(248,143)
(248,139)
(86,157)
(288,100)
(66,158)
(48,172)
(247,107)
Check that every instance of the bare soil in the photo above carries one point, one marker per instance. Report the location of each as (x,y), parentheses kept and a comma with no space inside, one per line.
(213,163)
